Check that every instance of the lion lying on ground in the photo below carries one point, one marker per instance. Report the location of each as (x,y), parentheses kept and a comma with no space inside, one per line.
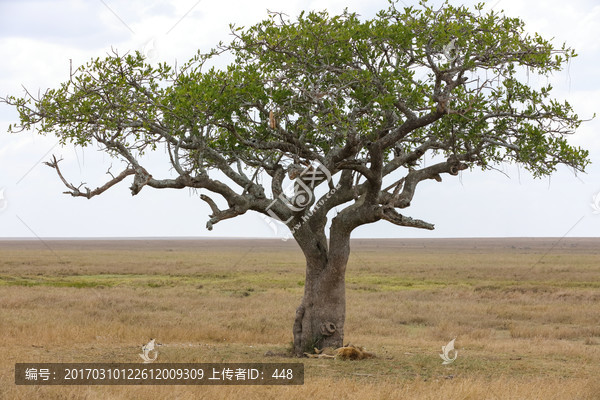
(348,352)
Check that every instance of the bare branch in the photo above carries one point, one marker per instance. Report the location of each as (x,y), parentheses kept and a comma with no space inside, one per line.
(389,214)
(76,192)
(211,204)
(402,200)
(220,215)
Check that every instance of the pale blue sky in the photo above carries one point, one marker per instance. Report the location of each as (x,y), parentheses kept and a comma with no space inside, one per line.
(37,39)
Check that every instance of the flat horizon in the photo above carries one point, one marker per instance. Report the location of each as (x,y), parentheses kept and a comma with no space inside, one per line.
(544,245)
(25,238)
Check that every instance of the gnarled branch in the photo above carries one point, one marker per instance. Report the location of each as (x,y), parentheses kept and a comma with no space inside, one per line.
(220,215)
(88,193)
(391,215)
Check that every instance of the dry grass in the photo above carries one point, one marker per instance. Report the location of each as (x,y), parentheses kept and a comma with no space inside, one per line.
(526,315)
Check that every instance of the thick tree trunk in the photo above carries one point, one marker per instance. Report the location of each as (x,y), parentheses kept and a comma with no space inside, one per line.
(321,315)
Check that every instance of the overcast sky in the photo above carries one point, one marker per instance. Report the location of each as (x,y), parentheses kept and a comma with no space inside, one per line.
(38,38)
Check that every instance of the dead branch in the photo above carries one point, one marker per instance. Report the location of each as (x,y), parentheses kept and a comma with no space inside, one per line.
(88,193)
(220,215)
(211,204)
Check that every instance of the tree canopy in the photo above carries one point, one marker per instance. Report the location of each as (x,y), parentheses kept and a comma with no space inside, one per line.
(369,97)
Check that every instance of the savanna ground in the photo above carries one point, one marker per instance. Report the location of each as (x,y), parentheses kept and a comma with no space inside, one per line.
(525,312)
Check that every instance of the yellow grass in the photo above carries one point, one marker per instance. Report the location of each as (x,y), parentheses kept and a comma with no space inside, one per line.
(526,315)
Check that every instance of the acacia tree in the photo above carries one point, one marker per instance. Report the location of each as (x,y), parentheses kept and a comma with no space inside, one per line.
(363,100)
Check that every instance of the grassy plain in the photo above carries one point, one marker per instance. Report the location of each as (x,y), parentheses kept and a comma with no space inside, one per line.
(525,312)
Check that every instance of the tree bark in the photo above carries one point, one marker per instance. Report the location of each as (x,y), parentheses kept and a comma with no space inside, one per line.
(320,318)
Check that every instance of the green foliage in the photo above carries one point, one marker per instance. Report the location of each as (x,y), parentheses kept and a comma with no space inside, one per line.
(323,79)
